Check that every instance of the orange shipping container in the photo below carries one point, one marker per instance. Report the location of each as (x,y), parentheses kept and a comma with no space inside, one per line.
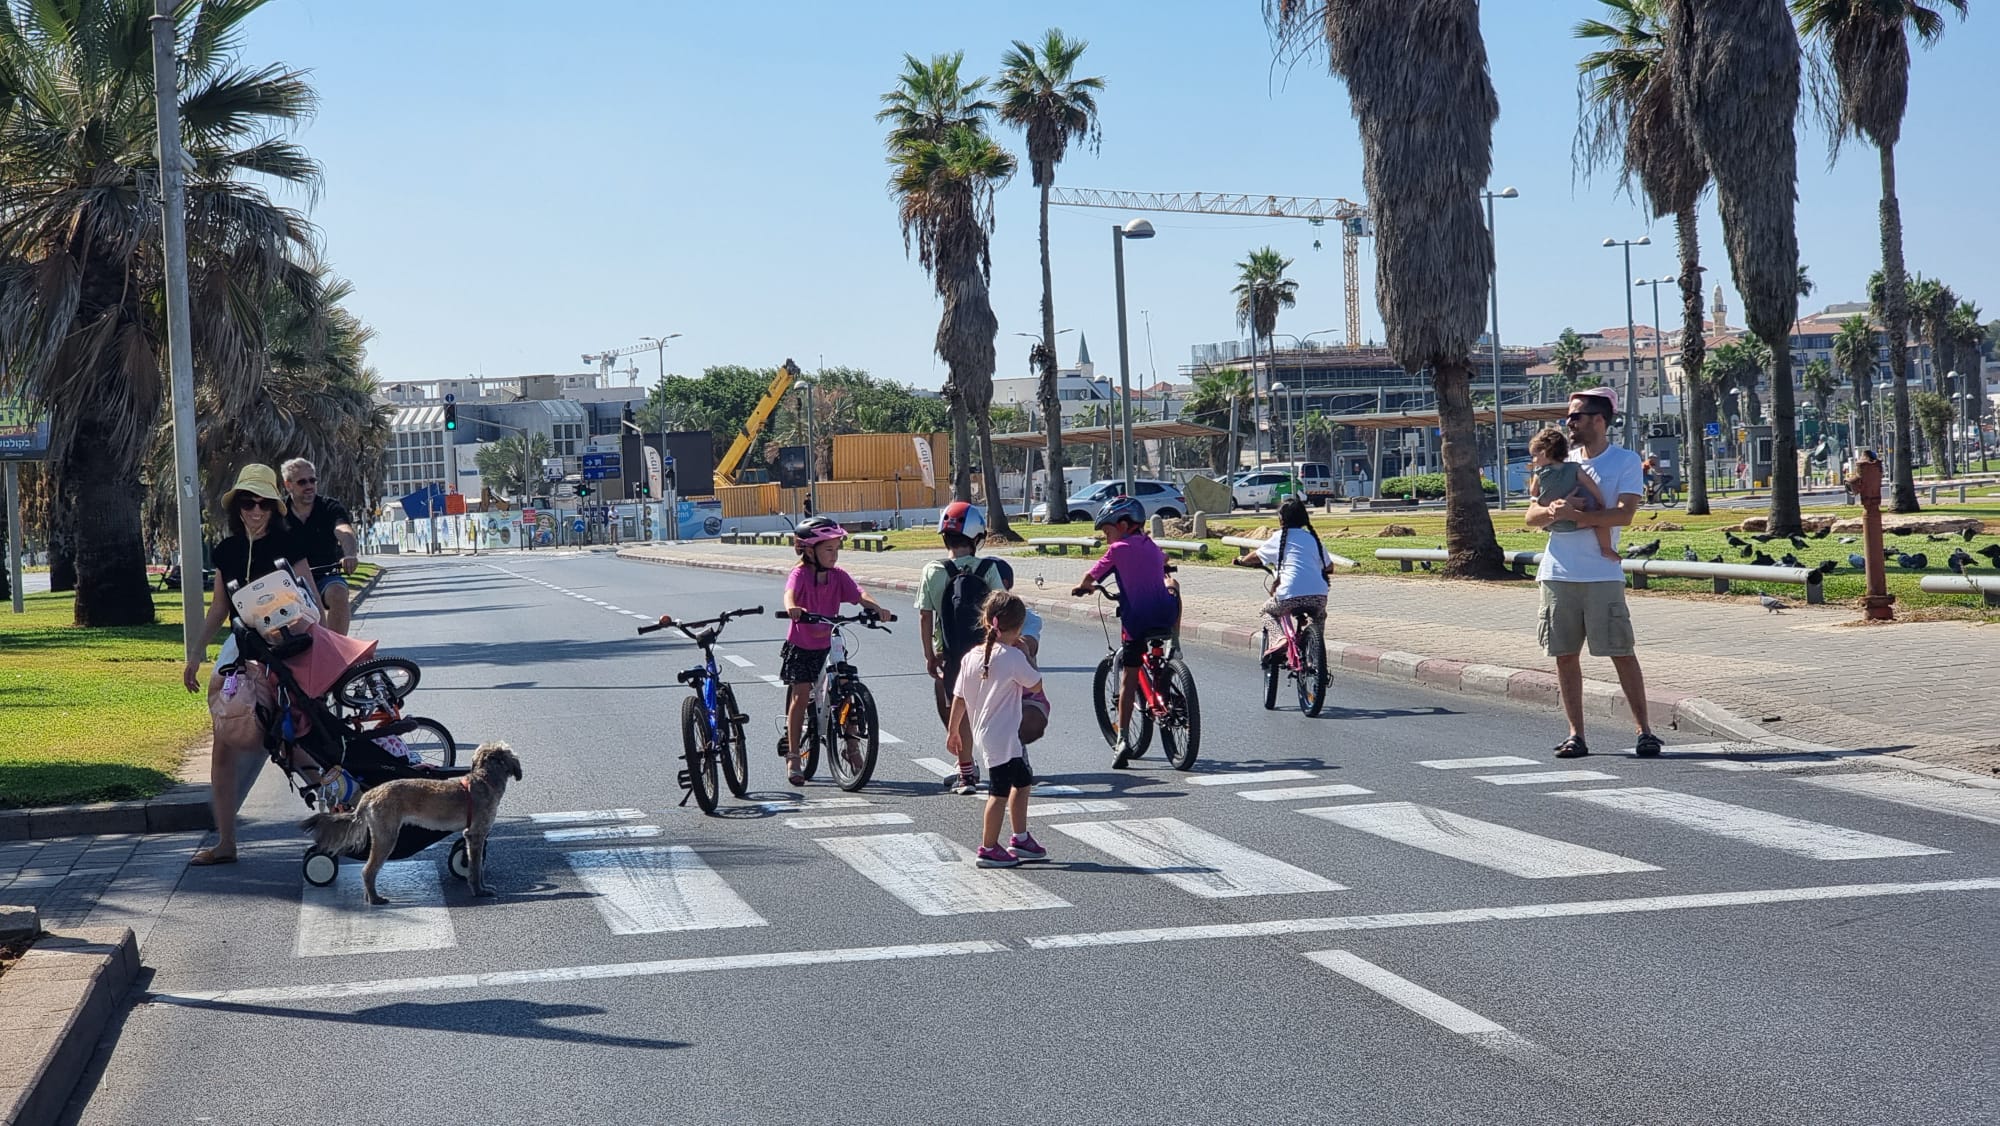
(885,457)
(836,497)
(748,500)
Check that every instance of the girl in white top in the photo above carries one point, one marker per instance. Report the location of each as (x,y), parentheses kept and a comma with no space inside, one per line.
(1299,565)
(986,713)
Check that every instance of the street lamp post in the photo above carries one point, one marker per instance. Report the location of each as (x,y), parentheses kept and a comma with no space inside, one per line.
(1493,289)
(1659,352)
(1278,394)
(660,346)
(806,392)
(1134,229)
(1631,345)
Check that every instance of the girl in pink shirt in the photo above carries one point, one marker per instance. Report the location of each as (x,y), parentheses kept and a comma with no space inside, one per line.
(815,586)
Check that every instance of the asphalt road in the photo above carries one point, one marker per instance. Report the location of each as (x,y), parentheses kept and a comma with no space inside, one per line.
(1449,943)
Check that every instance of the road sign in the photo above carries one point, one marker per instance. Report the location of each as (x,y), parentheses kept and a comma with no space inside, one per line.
(552,469)
(577,526)
(451,398)
(602,461)
(1713,429)
(527,516)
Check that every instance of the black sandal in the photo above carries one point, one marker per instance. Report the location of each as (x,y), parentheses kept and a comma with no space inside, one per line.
(1572,747)
(1649,745)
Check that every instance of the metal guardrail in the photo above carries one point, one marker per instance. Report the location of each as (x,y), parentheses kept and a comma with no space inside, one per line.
(1986,586)
(1249,544)
(1639,570)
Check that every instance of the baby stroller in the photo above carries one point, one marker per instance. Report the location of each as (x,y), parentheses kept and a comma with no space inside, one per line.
(334,719)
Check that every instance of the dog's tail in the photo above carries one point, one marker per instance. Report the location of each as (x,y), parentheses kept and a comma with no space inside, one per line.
(336,832)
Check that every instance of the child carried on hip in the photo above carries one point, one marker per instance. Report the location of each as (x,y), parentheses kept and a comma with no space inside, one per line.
(1558,478)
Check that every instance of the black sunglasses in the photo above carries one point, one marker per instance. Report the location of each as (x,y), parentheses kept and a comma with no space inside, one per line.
(1574,415)
(305,480)
(256,502)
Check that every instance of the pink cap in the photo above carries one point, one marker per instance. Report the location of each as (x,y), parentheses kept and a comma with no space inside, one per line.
(1605,393)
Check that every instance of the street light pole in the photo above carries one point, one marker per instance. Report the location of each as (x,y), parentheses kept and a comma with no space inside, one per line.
(1631,345)
(660,347)
(1493,288)
(1135,229)
(180,340)
(806,390)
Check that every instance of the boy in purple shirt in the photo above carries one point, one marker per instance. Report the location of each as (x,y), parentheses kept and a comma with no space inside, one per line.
(815,586)
(1149,608)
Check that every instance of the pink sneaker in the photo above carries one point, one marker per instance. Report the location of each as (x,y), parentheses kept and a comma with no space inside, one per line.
(1026,848)
(996,858)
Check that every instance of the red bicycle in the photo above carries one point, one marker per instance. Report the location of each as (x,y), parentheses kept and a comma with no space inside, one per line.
(1167,699)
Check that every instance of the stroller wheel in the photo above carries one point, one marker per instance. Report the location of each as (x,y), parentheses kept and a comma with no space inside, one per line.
(460,861)
(320,867)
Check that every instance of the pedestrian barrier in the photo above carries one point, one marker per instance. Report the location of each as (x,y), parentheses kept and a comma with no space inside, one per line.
(1986,586)
(1061,544)
(777,539)
(869,541)
(1638,570)
(1248,544)
(1184,548)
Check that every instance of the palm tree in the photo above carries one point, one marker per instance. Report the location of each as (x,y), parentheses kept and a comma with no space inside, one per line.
(944,191)
(1854,353)
(1567,359)
(1820,384)
(82,265)
(1629,119)
(504,468)
(1315,429)
(1933,414)
(1222,396)
(1735,66)
(1861,69)
(1261,290)
(930,99)
(1931,303)
(1419,71)
(1968,335)
(1040,95)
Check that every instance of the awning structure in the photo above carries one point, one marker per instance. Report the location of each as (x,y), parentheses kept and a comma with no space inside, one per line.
(1483,416)
(1109,435)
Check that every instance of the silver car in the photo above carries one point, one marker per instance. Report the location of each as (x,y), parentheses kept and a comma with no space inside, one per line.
(1161,498)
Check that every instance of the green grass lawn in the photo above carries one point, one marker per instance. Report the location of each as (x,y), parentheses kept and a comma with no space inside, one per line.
(95,714)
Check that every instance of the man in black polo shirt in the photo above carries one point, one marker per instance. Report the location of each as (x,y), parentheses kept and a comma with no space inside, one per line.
(325,529)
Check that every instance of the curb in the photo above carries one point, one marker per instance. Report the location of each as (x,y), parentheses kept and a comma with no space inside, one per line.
(1602,700)
(180,809)
(59,998)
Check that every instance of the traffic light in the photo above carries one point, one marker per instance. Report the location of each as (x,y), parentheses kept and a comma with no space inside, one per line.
(645,488)
(629,418)
(583,489)
(670,477)
(451,416)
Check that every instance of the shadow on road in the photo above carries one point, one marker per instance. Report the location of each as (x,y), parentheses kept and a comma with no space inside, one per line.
(521,1020)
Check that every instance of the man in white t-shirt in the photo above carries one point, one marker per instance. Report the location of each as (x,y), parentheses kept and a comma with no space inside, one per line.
(1583,593)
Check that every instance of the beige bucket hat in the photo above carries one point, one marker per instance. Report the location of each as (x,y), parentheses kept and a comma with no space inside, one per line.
(259,480)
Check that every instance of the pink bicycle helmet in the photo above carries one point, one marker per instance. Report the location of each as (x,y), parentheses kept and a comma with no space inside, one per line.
(963,518)
(818,529)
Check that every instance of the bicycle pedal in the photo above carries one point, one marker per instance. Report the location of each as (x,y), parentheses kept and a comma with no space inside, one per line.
(686,779)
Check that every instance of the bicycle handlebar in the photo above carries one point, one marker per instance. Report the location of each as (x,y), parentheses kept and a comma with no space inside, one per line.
(689,627)
(866,618)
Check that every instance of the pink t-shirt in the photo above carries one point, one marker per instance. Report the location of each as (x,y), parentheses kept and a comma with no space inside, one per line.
(818,592)
(992,696)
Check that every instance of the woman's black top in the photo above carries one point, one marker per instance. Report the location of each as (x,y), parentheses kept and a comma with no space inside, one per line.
(239,560)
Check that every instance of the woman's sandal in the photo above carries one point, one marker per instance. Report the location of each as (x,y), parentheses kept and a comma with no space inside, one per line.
(1572,747)
(208,857)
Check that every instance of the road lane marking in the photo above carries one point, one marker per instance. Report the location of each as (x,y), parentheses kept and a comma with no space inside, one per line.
(333,920)
(1758,827)
(1250,776)
(938,767)
(887,739)
(739,662)
(1543,777)
(935,876)
(1052,788)
(1477,763)
(1295,793)
(1069,808)
(578,816)
(1478,842)
(847,820)
(794,805)
(1195,860)
(659,888)
(335,991)
(1933,794)
(1583,908)
(1446,1014)
(770,680)
(601,833)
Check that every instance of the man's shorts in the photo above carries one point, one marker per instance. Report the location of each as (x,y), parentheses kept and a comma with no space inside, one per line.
(800,666)
(1573,613)
(1009,776)
(331,578)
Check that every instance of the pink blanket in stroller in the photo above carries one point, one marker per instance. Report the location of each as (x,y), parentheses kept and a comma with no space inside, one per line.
(330,655)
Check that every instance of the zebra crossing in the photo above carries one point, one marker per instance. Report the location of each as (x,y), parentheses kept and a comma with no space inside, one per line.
(914,855)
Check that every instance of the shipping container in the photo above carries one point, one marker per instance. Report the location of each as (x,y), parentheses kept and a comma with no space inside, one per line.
(885,457)
(748,500)
(835,497)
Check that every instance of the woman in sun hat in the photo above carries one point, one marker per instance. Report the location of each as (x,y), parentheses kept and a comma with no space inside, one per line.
(258,539)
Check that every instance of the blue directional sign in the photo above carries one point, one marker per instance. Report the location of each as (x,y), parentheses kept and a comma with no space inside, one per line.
(597,467)
(576,526)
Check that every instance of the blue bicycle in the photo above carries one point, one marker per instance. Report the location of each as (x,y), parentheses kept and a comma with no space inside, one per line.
(711,724)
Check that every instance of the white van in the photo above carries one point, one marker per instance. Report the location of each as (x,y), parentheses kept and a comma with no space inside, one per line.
(1315,476)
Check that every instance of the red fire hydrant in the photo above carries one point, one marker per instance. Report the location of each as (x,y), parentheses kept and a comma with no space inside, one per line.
(1866,482)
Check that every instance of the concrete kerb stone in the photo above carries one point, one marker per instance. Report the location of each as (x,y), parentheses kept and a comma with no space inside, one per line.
(57,1001)
(19,922)
(1666,708)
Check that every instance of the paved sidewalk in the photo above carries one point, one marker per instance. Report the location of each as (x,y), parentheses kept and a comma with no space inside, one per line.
(1923,689)
(115,879)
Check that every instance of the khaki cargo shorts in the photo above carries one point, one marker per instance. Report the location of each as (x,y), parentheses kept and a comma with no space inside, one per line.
(1575,612)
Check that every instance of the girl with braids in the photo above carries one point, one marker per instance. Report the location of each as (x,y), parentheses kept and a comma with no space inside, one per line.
(986,713)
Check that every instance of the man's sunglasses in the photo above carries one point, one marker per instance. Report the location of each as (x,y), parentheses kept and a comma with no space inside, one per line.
(1574,415)
(305,480)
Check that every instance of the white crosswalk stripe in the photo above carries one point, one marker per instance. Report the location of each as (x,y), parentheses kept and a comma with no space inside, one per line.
(1477,763)
(1752,826)
(1478,842)
(1195,860)
(601,833)
(847,820)
(1937,795)
(1302,793)
(333,920)
(584,816)
(1545,777)
(649,889)
(739,662)
(1069,808)
(935,876)
(1253,776)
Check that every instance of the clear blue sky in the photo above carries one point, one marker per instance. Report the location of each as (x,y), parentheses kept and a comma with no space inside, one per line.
(510,185)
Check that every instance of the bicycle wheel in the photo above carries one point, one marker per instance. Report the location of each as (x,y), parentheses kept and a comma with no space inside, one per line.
(735,750)
(809,745)
(1180,730)
(1311,676)
(1104,696)
(856,737)
(700,761)
(430,742)
(1274,669)
(370,684)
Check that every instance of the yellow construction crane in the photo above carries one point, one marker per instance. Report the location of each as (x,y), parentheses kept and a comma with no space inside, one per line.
(1356,222)
(725,470)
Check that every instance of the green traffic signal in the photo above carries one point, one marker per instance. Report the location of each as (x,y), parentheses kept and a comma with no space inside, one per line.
(451,416)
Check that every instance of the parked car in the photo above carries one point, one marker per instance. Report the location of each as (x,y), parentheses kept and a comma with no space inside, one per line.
(1161,498)
(1261,487)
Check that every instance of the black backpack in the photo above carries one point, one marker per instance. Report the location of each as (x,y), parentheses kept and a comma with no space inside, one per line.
(965,592)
